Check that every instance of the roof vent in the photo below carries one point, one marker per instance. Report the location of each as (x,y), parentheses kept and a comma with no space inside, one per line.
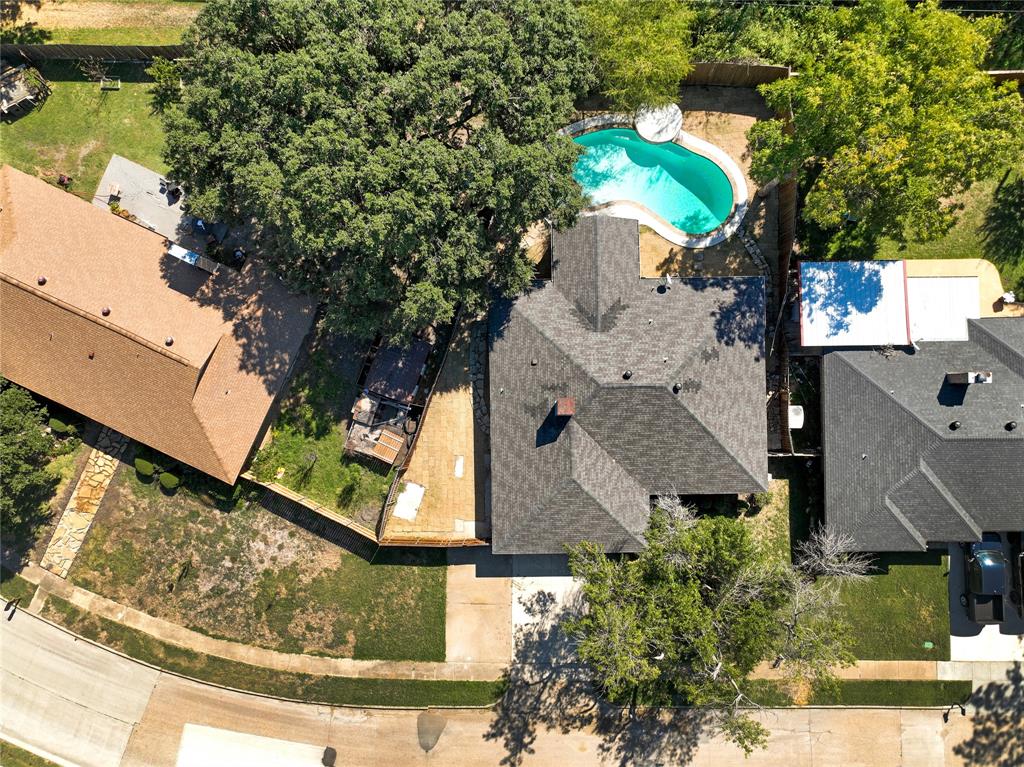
(954,425)
(969,377)
(169,341)
(628,374)
(41,280)
(677,387)
(105,311)
(1011,425)
(565,407)
(533,362)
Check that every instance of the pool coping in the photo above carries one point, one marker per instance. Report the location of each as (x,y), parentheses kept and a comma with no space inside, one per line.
(646,216)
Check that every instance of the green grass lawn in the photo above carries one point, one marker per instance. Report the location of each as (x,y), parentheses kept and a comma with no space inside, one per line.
(990,226)
(15,587)
(307,449)
(12,756)
(208,558)
(116,36)
(895,612)
(77,129)
(321,689)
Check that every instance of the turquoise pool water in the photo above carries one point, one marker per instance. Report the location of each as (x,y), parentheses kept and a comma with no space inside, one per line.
(689,191)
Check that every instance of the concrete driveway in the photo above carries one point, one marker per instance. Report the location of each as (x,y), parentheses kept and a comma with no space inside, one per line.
(970,641)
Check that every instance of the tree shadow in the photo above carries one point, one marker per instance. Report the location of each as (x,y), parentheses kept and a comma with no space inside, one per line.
(267,322)
(739,317)
(1002,231)
(546,687)
(998,713)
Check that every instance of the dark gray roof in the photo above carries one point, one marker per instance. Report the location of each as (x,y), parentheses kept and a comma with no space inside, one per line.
(897,478)
(558,481)
(395,371)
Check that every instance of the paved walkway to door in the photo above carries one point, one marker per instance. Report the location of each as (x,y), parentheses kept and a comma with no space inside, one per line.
(85,501)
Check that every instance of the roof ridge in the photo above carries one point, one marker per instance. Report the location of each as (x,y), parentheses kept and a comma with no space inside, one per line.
(886,393)
(65,306)
(996,346)
(595,254)
(586,492)
(199,419)
(541,328)
(605,454)
(698,421)
(893,509)
(951,499)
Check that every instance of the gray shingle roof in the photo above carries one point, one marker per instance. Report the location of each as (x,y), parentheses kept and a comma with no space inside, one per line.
(897,478)
(558,481)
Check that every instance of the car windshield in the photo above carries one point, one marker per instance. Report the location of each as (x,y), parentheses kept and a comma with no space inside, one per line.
(990,558)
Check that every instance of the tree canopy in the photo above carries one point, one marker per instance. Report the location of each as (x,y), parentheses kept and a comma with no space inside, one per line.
(391,155)
(691,616)
(893,121)
(641,48)
(25,451)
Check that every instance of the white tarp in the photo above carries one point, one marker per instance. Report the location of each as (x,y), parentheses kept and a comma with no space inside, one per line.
(853,303)
(940,307)
(409,500)
(212,747)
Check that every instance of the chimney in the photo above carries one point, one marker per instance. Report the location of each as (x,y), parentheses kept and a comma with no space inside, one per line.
(969,377)
(565,407)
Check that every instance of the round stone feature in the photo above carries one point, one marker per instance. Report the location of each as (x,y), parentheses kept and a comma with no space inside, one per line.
(658,124)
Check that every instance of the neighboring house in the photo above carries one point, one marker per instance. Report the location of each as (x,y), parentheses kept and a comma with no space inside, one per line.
(96,315)
(607,389)
(926,446)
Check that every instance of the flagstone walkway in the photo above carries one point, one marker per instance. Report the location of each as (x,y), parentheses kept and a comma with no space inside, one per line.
(85,501)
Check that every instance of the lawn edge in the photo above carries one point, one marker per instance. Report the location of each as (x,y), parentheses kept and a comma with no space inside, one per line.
(269,696)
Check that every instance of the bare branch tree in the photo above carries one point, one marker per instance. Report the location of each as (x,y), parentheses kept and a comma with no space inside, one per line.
(828,552)
(682,515)
(92,68)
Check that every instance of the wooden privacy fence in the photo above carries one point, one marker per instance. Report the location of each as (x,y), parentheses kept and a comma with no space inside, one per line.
(731,74)
(40,54)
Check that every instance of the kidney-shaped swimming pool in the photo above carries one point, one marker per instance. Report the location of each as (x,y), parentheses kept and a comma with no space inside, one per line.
(686,189)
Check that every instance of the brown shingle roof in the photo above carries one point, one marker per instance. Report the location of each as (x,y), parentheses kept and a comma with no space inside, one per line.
(204,399)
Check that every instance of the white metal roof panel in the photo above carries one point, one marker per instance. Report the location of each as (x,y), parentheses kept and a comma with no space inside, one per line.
(940,307)
(853,303)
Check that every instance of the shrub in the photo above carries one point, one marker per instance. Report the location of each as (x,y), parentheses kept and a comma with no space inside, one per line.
(57,426)
(144,467)
(169,481)
(762,499)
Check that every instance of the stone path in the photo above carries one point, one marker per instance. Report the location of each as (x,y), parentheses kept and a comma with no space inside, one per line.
(85,501)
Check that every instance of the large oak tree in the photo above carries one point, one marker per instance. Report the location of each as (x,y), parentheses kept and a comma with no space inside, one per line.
(391,154)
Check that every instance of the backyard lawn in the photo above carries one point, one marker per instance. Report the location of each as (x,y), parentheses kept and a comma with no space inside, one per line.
(990,226)
(306,453)
(116,35)
(77,129)
(102,22)
(209,559)
(896,611)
